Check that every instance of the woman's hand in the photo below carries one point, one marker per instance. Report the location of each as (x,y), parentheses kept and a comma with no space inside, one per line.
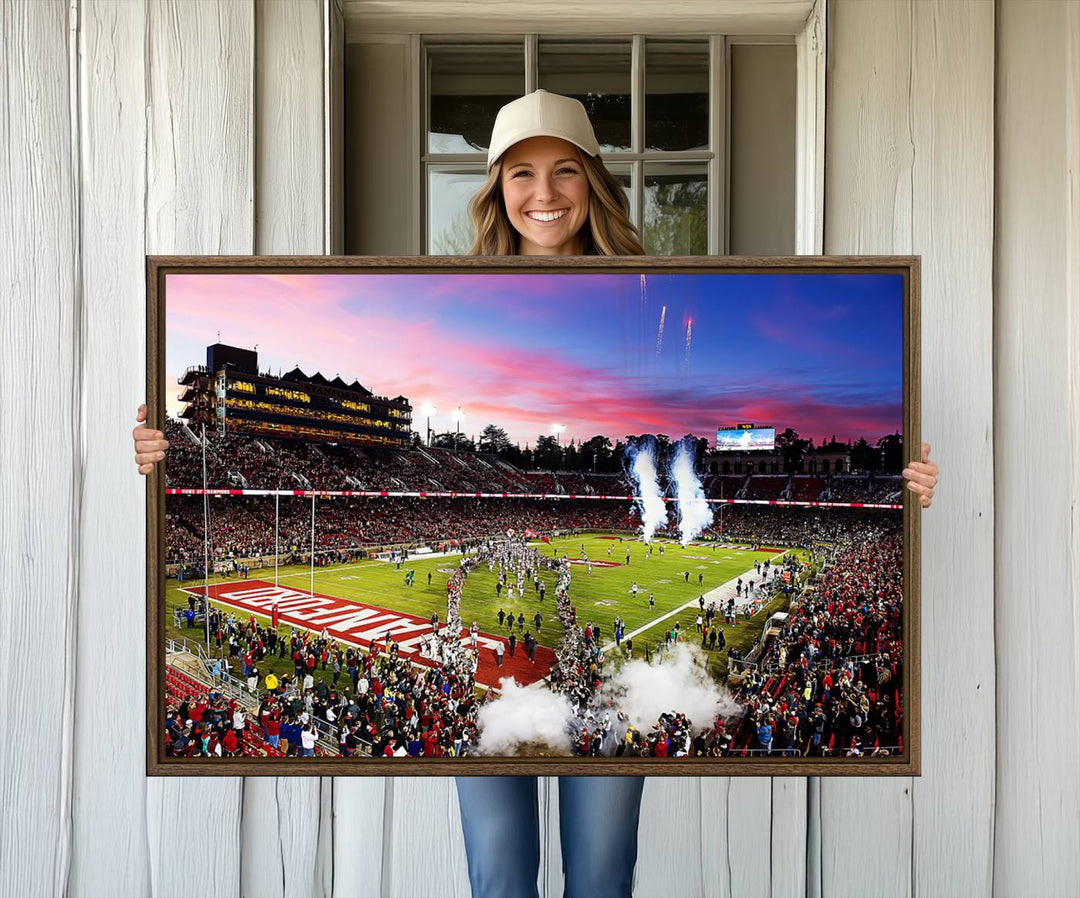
(150,445)
(922,477)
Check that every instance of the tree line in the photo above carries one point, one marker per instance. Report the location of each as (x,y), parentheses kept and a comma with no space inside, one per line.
(600,456)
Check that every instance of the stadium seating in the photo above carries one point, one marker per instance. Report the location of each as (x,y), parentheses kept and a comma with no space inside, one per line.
(806,488)
(766,486)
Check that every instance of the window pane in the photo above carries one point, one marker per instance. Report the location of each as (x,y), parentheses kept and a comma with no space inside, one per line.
(449,191)
(623,175)
(676,209)
(597,74)
(676,95)
(467,85)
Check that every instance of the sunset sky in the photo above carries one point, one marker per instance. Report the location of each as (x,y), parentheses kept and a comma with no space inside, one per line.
(821,353)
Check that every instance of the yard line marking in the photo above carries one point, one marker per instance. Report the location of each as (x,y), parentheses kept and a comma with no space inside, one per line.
(716,593)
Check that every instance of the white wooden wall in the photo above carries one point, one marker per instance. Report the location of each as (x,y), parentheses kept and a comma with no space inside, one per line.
(953,131)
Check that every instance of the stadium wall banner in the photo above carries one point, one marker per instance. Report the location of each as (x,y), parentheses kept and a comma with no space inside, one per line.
(611,516)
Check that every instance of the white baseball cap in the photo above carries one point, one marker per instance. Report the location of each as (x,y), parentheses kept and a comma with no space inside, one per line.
(541,114)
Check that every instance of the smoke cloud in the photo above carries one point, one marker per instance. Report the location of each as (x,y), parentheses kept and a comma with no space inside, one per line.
(676,681)
(642,458)
(522,717)
(695,514)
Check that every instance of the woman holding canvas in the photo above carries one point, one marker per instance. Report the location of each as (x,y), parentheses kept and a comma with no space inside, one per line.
(548,193)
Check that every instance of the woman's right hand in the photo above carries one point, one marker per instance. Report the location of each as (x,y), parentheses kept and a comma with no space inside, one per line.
(150,445)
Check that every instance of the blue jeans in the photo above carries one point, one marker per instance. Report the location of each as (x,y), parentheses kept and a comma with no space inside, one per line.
(598,825)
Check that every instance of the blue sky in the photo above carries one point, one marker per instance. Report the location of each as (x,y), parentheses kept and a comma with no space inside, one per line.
(821,353)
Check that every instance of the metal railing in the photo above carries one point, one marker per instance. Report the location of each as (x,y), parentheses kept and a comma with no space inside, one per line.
(741,665)
(229,685)
(236,688)
(762,752)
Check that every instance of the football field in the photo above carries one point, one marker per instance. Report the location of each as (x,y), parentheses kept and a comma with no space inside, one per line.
(675,577)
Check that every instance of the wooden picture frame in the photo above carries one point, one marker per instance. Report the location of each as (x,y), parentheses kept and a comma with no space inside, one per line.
(850,324)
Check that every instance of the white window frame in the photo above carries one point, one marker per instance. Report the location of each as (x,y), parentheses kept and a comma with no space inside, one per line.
(810,47)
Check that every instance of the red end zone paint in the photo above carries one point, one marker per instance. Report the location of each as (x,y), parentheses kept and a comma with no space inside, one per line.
(358,624)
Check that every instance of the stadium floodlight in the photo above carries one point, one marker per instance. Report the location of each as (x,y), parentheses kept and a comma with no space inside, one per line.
(557,429)
(427,409)
(459,416)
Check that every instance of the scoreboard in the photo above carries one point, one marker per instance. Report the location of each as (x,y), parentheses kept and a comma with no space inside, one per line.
(744,437)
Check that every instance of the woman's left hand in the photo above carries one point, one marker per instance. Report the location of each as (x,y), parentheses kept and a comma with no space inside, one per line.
(922,477)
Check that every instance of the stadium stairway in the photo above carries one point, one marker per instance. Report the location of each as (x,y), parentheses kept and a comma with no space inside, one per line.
(190,434)
(741,494)
(785,493)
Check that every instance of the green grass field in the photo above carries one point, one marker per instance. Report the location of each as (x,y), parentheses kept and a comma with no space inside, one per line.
(599,596)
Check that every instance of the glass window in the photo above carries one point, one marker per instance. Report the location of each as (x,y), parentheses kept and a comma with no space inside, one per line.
(467,84)
(449,190)
(624,174)
(597,74)
(676,95)
(676,213)
(651,105)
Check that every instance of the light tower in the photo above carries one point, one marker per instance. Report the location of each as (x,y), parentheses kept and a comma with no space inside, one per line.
(427,409)
(458,415)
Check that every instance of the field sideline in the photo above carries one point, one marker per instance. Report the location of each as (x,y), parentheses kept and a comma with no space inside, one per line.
(599,596)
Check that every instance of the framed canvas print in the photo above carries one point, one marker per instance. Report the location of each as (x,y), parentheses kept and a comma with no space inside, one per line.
(546,516)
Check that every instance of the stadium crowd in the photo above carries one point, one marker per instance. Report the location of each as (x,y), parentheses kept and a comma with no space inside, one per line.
(238,461)
(243,527)
(829,683)
(370,700)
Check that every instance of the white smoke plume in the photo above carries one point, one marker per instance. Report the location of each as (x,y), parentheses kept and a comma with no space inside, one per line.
(695,514)
(650,501)
(526,720)
(677,681)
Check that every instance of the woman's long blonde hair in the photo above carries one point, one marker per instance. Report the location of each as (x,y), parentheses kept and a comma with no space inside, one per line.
(608,230)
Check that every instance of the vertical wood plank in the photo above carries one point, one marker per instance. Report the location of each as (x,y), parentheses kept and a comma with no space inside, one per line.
(40,450)
(953,229)
(910,170)
(753,836)
(788,839)
(199,200)
(669,839)
(716,826)
(290,162)
(111,858)
(868,200)
(360,814)
(750,815)
(424,850)
(200,153)
(280,827)
(279,835)
(1037,369)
